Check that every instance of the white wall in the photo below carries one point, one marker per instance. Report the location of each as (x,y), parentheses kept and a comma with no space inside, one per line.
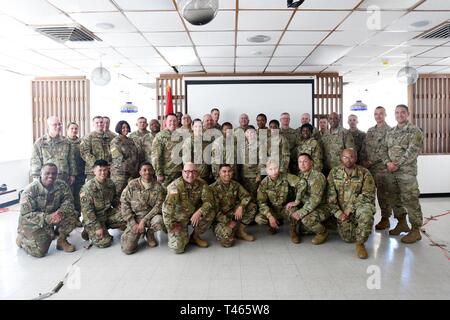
(433,173)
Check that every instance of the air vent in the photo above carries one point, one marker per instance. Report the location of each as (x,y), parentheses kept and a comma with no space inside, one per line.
(67,33)
(442,31)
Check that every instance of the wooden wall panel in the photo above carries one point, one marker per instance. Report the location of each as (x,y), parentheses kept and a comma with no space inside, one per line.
(429,104)
(64,97)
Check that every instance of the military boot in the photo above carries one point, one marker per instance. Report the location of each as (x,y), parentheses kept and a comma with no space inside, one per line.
(63,244)
(361,251)
(320,238)
(85,235)
(402,226)
(195,239)
(383,224)
(293,233)
(242,233)
(151,241)
(412,236)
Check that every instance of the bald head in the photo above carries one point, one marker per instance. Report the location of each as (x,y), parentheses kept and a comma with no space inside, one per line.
(348,158)
(305,118)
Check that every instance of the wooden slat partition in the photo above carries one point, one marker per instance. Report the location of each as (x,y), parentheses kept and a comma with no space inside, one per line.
(64,97)
(327,96)
(429,104)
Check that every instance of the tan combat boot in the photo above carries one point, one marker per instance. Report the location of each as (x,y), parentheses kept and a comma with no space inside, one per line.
(242,233)
(63,244)
(412,236)
(402,226)
(320,237)
(293,233)
(361,251)
(383,224)
(195,239)
(151,241)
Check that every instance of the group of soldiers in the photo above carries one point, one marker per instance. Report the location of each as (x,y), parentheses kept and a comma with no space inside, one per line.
(186,174)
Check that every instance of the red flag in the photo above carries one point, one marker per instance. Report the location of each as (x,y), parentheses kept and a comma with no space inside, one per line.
(169,103)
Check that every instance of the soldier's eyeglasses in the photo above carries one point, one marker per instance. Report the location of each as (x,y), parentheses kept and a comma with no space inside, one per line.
(190,171)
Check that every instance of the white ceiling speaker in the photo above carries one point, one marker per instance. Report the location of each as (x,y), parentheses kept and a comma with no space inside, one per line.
(100,76)
(408,75)
(198,12)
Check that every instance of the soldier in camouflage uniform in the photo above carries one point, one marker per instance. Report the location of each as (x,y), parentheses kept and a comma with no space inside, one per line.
(72,137)
(141,204)
(351,199)
(124,155)
(283,146)
(109,133)
(310,145)
(248,163)
(261,122)
(233,205)
(243,123)
(273,199)
(95,146)
(376,155)
(359,138)
(334,141)
(147,140)
(167,167)
(221,153)
(323,126)
(54,148)
(99,207)
(306,119)
(215,114)
(189,200)
(404,143)
(313,209)
(138,137)
(186,122)
(46,203)
(292,137)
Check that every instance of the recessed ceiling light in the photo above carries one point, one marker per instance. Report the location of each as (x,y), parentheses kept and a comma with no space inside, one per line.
(420,24)
(258,38)
(105,25)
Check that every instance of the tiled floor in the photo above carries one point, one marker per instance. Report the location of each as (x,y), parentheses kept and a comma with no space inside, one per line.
(269,268)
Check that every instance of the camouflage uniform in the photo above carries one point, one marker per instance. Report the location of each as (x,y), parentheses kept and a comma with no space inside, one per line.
(147,142)
(274,195)
(292,137)
(313,209)
(138,138)
(190,154)
(80,177)
(162,161)
(110,134)
(93,147)
(314,149)
(141,202)
(220,155)
(250,171)
(359,138)
(218,126)
(56,150)
(182,201)
(227,199)
(283,152)
(99,209)
(334,141)
(404,145)
(124,164)
(377,154)
(37,204)
(355,194)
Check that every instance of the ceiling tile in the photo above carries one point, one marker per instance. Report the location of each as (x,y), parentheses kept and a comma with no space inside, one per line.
(252,61)
(213,38)
(149,61)
(213,69)
(158,69)
(303,37)
(258,4)
(325,55)
(426,42)
(439,52)
(430,69)
(368,51)
(126,39)
(172,39)
(437,5)
(403,51)
(293,51)
(386,61)
(62,54)
(36,12)
(447,70)
(71,6)
(389,4)
(242,37)
(286,61)
(100,52)
(330,5)
(138,52)
(441,62)
(223,21)
(271,68)
(32,42)
(91,19)
(310,68)
(423,61)
(179,55)
(349,37)
(145,5)
(404,23)
(215,51)
(362,20)
(353,61)
(184,69)
(86,44)
(263,20)
(249,69)
(156,21)
(392,38)
(10,27)
(317,20)
(254,51)
(218,61)
(84,63)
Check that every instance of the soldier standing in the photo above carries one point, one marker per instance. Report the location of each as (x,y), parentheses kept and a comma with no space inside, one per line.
(147,140)
(359,138)
(141,205)
(310,145)
(109,133)
(72,137)
(292,137)
(138,137)
(46,203)
(215,114)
